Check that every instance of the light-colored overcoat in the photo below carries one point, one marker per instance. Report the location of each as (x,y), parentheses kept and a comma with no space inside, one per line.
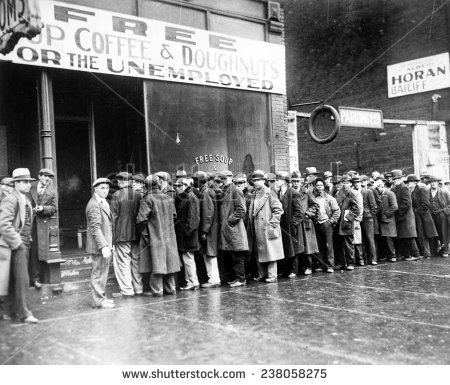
(99,227)
(389,206)
(264,230)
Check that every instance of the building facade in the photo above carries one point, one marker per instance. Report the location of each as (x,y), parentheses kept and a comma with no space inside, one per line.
(143,86)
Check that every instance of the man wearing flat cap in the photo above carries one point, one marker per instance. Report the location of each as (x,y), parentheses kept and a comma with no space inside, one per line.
(404,219)
(440,210)
(138,183)
(6,187)
(16,219)
(99,241)
(43,198)
(269,179)
(124,209)
(328,180)
(164,183)
(426,230)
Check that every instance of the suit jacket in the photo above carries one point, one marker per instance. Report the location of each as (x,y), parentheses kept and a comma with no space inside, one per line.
(42,228)
(99,226)
(124,209)
(12,220)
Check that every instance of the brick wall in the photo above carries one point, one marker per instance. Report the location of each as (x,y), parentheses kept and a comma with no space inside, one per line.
(329,42)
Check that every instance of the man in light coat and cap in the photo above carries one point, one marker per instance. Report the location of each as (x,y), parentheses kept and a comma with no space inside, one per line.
(404,219)
(16,220)
(6,187)
(43,198)
(99,241)
(440,209)
(264,231)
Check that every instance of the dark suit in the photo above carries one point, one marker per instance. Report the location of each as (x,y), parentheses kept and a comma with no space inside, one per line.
(41,227)
(99,235)
(15,245)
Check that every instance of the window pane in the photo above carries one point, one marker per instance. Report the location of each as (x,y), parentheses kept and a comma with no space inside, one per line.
(237,27)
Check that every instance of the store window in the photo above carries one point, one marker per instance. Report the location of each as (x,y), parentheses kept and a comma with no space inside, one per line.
(187,122)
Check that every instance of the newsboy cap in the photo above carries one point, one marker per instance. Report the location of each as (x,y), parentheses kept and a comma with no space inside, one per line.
(258,174)
(7,181)
(123,176)
(151,180)
(163,175)
(138,178)
(225,174)
(435,179)
(346,178)
(46,171)
(100,181)
(200,175)
(22,174)
(240,177)
(181,174)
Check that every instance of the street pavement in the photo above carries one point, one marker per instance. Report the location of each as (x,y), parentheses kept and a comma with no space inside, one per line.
(396,313)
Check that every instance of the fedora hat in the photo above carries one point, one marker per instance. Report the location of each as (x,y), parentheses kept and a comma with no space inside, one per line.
(412,178)
(327,174)
(396,174)
(378,183)
(283,175)
(22,174)
(311,171)
(296,176)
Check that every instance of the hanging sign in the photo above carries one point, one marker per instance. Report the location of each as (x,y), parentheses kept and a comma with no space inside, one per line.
(89,39)
(361,117)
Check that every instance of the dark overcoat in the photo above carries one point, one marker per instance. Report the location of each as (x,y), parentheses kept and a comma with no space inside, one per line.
(158,245)
(124,209)
(404,217)
(209,221)
(389,206)
(310,208)
(264,225)
(188,221)
(376,218)
(347,202)
(290,223)
(232,235)
(421,206)
(41,221)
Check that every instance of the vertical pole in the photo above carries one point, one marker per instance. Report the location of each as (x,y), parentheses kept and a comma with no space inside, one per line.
(92,146)
(48,151)
(147,126)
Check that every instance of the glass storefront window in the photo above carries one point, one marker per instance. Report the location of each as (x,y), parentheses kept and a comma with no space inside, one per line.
(212,123)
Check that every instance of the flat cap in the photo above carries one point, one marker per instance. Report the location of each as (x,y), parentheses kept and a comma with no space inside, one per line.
(240,177)
(435,179)
(225,174)
(151,180)
(356,178)
(364,177)
(123,176)
(200,175)
(181,174)
(163,175)
(259,174)
(46,171)
(7,181)
(327,174)
(100,181)
(138,178)
(269,176)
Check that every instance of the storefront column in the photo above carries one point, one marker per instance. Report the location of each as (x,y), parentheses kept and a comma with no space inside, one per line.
(52,271)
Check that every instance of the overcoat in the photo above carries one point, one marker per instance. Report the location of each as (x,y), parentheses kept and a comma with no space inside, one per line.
(421,206)
(389,206)
(12,220)
(357,234)
(188,220)
(290,223)
(232,235)
(309,211)
(209,220)
(347,202)
(41,220)
(124,209)
(404,217)
(264,225)
(158,245)
(100,226)
(376,217)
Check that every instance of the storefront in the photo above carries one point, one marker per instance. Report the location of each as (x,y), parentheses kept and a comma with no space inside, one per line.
(142,86)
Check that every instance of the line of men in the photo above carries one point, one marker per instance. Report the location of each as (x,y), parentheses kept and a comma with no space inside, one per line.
(210,230)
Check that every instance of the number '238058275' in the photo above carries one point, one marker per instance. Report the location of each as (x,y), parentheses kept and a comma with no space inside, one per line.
(293,373)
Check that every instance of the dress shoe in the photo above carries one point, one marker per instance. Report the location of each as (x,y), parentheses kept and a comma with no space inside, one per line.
(330,270)
(30,320)
(37,284)
(445,255)
(350,267)
(121,295)
(392,259)
(105,305)
(190,287)
(209,285)
(410,258)
(308,272)
(292,275)
(374,263)
(238,283)
(147,293)
(270,280)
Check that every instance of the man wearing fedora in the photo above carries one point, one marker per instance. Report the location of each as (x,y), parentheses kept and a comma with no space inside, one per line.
(43,198)
(296,180)
(124,209)
(16,220)
(328,181)
(426,230)
(404,219)
(99,241)
(440,209)
(311,175)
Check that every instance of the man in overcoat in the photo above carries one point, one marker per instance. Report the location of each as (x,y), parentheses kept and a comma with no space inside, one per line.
(16,219)
(388,228)
(426,230)
(346,200)
(99,241)
(264,228)
(6,187)
(124,209)
(159,252)
(440,209)
(233,240)
(290,223)
(186,228)
(404,219)
(43,198)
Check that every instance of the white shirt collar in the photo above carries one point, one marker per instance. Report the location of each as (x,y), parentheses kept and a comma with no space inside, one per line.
(100,199)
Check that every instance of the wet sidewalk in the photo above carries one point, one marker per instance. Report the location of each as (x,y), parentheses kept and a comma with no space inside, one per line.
(387,314)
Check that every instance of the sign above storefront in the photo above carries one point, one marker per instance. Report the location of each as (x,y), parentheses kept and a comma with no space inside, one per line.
(361,117)
(18,18)
(420,75)
(88,39)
